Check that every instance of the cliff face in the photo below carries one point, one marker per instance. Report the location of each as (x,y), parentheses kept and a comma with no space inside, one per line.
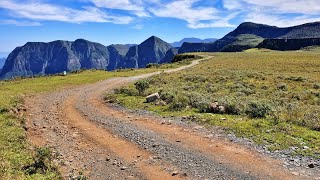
(55,57)
(289,44)
(37,58)
(152,50)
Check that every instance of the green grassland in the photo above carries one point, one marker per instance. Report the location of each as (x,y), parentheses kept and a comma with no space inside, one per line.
(270,97)
(18,159)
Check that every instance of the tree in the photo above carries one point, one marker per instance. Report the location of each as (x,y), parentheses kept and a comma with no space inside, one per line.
(141,86)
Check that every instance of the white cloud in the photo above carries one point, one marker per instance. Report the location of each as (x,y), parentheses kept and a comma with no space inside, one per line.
(42,11)
(282,13)
(195,16)
(136,7)
(19,23)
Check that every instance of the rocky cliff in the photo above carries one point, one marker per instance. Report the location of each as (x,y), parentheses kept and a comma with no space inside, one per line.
(37,58)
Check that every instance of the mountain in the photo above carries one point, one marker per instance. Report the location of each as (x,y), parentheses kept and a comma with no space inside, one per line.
(243,42)
(38,58)
(192,40)
(152,50)
(2,61)
(309,30)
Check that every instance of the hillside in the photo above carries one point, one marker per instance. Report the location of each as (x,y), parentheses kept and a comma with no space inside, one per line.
(309,30)
(269,97)
(37,58)
(243,42)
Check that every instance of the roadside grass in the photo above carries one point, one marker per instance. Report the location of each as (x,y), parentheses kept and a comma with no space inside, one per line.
(18,158)
(270,97)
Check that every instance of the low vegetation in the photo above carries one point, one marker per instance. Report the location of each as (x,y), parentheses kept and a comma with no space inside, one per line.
(18,158)
(270,97)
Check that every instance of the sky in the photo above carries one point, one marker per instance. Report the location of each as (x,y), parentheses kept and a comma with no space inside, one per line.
(133,21)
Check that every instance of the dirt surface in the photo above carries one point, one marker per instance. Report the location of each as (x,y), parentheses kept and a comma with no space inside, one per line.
(93,138)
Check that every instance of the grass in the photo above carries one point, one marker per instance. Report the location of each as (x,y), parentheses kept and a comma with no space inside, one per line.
(19,159)
(281,90)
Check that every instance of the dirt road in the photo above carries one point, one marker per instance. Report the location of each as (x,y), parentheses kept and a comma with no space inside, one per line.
(103,142)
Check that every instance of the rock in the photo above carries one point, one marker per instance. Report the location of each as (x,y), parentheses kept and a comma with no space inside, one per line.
(108,158)
(214,107)
(305,147)
(161,103)
(311,165)
(123,168)
(152,97)
(174,173)
(295,173)
(222,109)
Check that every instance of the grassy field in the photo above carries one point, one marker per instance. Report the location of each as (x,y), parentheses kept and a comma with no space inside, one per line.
(270,97)
(18,159)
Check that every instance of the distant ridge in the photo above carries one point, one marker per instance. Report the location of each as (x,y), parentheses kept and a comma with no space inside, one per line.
(192,40)
(309,30)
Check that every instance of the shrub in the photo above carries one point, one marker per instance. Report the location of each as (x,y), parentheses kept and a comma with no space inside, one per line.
(151,65)
(282,86)
(257,110)
(232,106)
(181,57)
(141,86)
(167,96)
(179,102)
(126,91)
(312,120)
(41,162)
(201,102)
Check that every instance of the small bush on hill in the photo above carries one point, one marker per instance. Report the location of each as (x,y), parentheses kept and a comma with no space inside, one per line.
(257,110)
(141,86)
(179,103)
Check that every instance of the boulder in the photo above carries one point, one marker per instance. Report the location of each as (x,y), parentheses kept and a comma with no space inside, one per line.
(214,107)
(222,109)
(152,97)
(161,103)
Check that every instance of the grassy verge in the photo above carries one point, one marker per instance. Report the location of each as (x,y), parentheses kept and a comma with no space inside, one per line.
(270,97)
(18,159)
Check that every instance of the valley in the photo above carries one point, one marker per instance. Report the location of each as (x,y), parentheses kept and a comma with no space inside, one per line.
(245,106)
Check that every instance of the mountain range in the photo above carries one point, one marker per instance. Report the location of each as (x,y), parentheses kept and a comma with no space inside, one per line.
(37,58)
(192,40)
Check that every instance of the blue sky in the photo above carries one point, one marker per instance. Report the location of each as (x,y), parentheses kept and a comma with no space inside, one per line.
(132,21)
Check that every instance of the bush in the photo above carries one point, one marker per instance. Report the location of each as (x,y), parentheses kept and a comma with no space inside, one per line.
(41,163)
(126,91)
(282,86)
(257,110)
(312,120)
(141,86)
(232,106)
(201,102)
(167,96)
(151,65)
(179,102)
(181,57)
